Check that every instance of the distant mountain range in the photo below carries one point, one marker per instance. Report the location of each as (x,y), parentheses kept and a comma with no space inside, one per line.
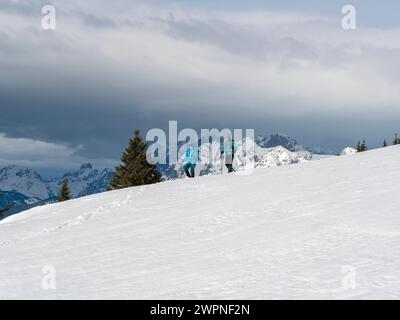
(281,139)
(278,139)
(25,188)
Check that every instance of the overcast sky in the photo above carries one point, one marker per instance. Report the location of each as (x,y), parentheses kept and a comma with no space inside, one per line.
(75,94)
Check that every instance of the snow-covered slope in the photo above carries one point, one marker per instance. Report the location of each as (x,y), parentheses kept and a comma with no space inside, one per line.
(320,229)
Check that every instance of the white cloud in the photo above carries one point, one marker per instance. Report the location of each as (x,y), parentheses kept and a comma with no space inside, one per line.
(41,154)
(19,148)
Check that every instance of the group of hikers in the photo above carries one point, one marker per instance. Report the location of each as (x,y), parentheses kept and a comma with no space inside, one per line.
(228,150)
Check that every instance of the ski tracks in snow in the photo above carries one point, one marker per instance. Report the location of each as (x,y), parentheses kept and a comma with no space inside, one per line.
(101,211)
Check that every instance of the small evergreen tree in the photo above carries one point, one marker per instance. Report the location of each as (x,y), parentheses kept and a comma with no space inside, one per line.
(4,210)
(134,169)
(396,139)
(385,143)
(358,148)
(64,192)
(361,147)
(364,146)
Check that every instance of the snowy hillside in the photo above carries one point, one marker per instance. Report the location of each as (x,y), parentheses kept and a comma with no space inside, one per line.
(299,231)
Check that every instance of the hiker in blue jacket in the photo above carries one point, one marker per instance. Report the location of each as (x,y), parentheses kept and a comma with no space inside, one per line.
(190,160)
(228,152)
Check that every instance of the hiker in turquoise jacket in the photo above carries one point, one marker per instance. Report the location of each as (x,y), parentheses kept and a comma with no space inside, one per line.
(190,160)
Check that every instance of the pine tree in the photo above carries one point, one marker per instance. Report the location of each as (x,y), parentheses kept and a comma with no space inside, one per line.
(385,143)
(134,169)
(364,146)
(7,208)
(396,139)
(64,192)
(358,148)
(361,147)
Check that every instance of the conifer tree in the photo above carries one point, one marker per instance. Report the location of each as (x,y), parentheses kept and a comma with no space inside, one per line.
(396,139)
(358,148)
(4,210)
(361,147)
(134,170)
(385,143)
(364,146)
(64,192)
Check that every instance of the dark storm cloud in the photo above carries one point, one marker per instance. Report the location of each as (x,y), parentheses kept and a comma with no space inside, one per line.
(95,21)
(239,39)
(26,7)
(110,68)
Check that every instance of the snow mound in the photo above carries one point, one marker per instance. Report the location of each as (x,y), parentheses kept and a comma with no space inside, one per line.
(278,156)
(348,151)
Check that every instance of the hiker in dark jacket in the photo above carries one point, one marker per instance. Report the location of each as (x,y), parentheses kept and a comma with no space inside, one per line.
(228,152)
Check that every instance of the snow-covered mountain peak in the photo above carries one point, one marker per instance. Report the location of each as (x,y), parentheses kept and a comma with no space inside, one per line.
(85,172)
(20,171)
(86,166)
(84,181)
(278,139)
(25,181)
